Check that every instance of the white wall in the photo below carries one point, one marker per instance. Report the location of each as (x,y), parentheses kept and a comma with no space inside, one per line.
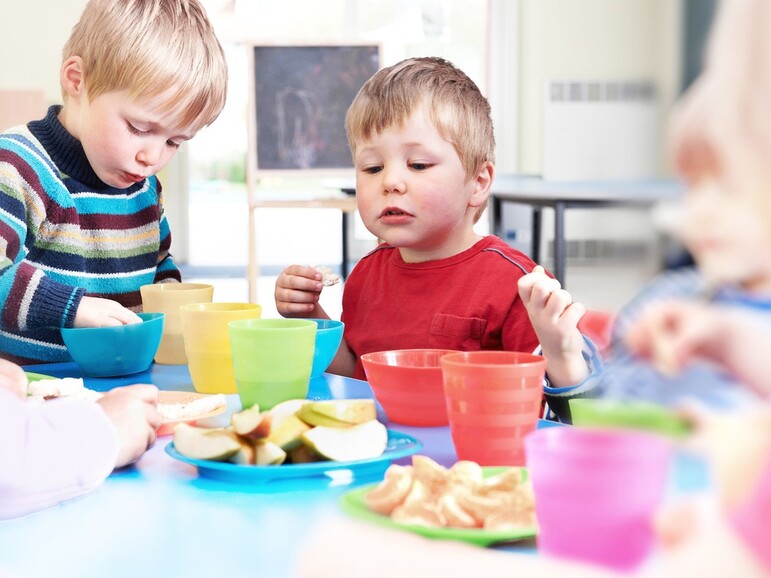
(33,34)
(592,40)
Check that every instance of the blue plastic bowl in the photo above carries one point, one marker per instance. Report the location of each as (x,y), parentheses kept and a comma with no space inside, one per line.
(114,351)
(329,334)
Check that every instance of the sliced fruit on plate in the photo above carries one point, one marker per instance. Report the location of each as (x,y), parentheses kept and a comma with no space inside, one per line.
(268,454)
(359,442)
(204,443)
(338,412)
(288,434)
(252,423)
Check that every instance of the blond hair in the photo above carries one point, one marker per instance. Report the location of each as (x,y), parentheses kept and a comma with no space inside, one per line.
(162,50)
(455,104)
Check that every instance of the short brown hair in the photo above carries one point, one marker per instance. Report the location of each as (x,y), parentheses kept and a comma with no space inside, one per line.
(455,104)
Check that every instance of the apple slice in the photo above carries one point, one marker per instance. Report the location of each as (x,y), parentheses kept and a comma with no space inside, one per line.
(251,423)
(288,434)
(338,412)
(283,410)
(246,455)
(268,454)
(205,444)
(302,454)
(358,442)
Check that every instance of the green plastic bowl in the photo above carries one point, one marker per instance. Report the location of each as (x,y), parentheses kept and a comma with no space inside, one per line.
(630,415)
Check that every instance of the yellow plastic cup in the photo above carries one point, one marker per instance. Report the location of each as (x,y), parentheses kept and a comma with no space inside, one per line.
(168,298)
(272,359)
(207,343)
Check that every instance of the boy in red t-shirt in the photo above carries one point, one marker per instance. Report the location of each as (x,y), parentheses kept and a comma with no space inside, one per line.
(423,147)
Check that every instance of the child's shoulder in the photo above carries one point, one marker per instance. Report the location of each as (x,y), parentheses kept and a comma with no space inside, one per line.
(501,251)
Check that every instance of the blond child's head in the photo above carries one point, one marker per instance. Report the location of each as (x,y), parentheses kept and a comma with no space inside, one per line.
(454,104)
(721,144)
(163,52)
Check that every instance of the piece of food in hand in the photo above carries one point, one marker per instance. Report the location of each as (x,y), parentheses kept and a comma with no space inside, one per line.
(663,356)
(64,387)
(268,454)
(197,406)
(205,443)
(252,423)
(392,491)
(338,412)
(359,442)
(328,278)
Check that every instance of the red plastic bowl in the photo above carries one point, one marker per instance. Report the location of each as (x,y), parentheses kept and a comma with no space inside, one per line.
(408,384)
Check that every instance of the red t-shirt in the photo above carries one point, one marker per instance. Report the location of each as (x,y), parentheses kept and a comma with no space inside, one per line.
(466,302)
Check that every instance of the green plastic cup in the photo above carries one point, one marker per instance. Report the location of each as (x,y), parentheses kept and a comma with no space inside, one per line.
(272,359)
(628,414)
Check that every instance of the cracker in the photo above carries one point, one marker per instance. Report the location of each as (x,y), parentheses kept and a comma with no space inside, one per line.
(328,278)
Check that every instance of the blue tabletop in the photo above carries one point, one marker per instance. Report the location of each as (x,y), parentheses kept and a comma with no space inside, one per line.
(160,518)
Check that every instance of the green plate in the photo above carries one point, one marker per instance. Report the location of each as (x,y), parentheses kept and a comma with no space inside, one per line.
(353,504)
(38,376)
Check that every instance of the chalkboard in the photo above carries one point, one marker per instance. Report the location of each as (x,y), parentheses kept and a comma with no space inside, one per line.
(301,95)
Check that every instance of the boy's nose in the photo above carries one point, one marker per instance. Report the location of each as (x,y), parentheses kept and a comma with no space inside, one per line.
(150,154)
(393,181)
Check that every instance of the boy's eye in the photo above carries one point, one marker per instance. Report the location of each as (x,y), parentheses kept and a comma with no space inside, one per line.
(135,130)
(420,166)
(172,144)
(372,170)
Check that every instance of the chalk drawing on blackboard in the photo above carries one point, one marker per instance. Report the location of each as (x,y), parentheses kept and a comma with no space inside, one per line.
(301,95)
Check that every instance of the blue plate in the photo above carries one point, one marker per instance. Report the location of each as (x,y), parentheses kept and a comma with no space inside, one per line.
(399,445)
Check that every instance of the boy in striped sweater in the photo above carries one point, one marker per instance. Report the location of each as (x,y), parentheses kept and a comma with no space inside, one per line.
(82,225)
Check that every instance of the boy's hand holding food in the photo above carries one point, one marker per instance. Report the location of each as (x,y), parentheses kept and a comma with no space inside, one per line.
(297,292)
(133,411)
(555,318)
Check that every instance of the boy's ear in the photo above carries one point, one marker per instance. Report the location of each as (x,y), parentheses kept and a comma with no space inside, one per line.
(482,183)
(71,76)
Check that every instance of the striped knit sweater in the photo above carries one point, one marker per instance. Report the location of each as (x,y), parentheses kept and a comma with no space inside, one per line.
(65,234)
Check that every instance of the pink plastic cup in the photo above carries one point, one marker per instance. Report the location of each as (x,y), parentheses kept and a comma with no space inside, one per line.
(596,492)
(493,401)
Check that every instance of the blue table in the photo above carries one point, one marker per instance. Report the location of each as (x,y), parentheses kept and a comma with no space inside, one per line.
(159,518)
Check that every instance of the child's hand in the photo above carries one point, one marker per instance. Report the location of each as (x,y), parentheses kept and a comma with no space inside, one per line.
(98,312)
(674,333)
(133,411)
(555,319)
(552,312)
(297,292)
(12,378)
